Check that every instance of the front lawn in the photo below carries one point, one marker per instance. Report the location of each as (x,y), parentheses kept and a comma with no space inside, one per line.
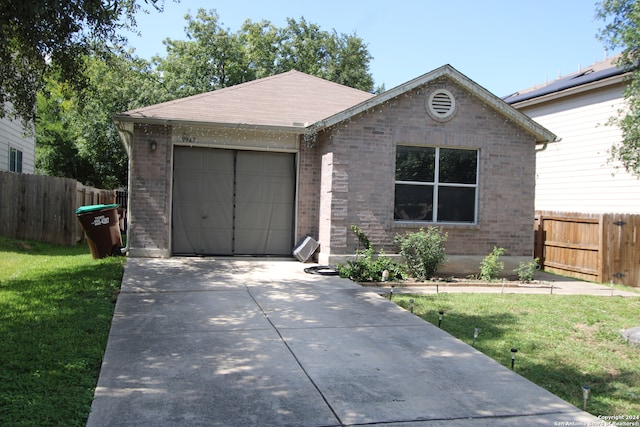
(563,342)
(56,305)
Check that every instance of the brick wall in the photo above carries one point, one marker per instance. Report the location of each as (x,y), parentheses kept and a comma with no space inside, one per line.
(308,208)
(151,188)
(359,178)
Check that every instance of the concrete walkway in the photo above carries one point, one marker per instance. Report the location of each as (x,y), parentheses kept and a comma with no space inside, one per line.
(228,342)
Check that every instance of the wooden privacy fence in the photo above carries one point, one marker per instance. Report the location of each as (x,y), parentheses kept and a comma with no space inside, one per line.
(596,247)
(43,208)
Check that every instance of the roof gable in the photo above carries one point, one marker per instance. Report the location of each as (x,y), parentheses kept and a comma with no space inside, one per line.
(541,133)
(289,100)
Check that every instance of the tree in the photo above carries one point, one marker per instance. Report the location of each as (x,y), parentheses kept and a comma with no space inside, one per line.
(622,30)
(78,139)
(57,154)
(213,57)
(337,57)
(40,37)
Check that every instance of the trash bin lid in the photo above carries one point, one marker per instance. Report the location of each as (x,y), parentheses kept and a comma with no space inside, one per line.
(92,208)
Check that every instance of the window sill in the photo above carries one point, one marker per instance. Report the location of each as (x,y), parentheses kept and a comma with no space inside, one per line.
(423,224)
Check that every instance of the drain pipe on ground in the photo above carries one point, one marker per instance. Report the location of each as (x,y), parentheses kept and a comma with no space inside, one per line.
(127,140)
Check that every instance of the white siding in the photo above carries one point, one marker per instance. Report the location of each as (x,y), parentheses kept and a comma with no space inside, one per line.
(12,135)
(575,174)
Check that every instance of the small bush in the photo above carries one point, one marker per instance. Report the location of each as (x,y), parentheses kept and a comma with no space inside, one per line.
(423,251)
(526,269)
(368,267)
(491,266)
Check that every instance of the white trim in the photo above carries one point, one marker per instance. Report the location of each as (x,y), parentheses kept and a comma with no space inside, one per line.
(436,184)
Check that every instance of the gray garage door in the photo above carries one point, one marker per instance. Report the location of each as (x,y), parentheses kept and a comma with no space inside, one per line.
(228,202)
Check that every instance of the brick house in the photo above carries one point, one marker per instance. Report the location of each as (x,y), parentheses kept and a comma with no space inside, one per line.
(251,169)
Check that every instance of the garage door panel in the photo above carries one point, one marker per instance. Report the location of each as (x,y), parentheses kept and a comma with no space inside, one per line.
(251,215)
(264,203)
(216,241)
(233,202)
(261,242)
(185,243)
(202,201)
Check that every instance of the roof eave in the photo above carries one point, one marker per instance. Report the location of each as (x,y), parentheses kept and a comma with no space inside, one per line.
(572,91)
(125,118)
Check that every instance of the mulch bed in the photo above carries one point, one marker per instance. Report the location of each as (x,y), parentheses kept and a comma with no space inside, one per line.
(507,282)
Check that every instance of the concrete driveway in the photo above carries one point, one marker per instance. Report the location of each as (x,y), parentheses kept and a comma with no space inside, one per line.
(253,342)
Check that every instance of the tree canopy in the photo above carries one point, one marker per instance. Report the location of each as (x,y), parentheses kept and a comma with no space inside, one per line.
(622,31)
(213,57)
(52,36)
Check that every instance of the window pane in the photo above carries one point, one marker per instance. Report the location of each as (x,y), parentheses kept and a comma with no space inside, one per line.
(19,162)
(456,204)
(12,159)
(415,163)
(458,166)
(413,202)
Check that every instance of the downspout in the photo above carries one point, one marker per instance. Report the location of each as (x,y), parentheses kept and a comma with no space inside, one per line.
(545,143)
(126,136)
(544,147)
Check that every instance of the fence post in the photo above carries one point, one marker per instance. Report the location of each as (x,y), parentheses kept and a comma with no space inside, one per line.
(603,248)
(538,251)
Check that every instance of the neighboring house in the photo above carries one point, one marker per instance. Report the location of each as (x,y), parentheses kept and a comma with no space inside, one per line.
(17,147)
(252,169)
(576,173)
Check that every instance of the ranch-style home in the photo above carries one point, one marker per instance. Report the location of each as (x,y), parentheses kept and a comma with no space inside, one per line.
(254,168)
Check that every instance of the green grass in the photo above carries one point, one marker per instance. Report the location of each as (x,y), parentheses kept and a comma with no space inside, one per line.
(563,342)
(56,305)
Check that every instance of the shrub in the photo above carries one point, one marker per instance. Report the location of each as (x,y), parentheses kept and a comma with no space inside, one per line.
(367,267)
(526,269)
(422,251)
(491,266)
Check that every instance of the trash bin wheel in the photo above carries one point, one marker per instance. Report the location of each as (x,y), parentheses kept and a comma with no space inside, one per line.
(116,250)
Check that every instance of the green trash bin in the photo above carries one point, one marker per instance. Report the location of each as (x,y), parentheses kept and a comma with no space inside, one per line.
(101,226)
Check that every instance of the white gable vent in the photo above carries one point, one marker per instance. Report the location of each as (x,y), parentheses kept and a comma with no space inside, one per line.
(441,104)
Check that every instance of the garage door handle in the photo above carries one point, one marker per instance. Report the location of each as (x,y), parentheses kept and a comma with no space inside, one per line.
(205,216)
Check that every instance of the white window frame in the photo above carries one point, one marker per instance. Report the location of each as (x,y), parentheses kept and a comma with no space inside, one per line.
(436,184)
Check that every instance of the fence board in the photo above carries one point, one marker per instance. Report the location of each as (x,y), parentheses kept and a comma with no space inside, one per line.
(42,208)
(599,248)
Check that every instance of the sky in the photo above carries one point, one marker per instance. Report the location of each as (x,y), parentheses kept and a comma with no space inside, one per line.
(503,45)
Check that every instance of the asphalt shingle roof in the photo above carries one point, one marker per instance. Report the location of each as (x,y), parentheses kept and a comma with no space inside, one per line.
(291,99)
